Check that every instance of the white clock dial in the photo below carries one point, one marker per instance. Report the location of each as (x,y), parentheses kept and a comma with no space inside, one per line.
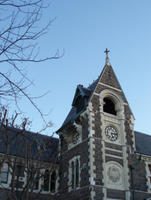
(111,133)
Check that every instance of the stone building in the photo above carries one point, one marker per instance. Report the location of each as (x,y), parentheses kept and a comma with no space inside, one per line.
(28,165)
(100,156)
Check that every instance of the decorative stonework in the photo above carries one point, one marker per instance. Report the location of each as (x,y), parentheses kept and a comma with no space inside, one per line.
(145,158)
(117,101)
(73,176)
(113,174)
(76,137)
(92,167)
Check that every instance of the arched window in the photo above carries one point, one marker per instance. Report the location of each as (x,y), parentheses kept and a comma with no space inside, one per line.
(46,180)
(53,182)
(109,106)
(4,173)
(36,181)
(74,173)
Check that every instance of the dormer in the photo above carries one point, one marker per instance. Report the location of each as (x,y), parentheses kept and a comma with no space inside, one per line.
(80,99)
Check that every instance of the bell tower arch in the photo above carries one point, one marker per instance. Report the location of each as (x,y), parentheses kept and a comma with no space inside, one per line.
(96,139)
(113,136)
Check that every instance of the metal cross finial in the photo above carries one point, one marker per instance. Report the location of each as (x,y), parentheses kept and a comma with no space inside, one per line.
(107,58)
(106,51)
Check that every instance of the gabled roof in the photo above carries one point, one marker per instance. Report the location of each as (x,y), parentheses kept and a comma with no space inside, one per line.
(41,147)
(107,76)
(143,143)
(80,91)
(85,93)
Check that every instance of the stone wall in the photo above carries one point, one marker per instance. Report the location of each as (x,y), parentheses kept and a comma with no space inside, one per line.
(82,150)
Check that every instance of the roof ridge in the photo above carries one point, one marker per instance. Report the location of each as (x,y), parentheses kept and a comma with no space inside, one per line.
(16,129)
(94,82)
(142,133)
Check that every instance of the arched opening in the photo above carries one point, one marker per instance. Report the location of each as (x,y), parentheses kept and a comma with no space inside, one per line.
(74,173)
(36,181)
(46,180)
(109,106)
(53,182)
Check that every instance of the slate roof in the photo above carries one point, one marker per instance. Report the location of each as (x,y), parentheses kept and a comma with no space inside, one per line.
(18,142)
(42,147)
(87,92)
(143,143)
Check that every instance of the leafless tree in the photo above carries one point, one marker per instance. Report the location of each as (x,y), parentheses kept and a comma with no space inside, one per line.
(19,32)
(29,159)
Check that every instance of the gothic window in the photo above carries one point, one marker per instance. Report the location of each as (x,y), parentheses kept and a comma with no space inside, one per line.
(109,106)
(19,170)
(36,181)
(53,182)
(4,173)
(49,181)
(19,174)
(46,181)
(74,173)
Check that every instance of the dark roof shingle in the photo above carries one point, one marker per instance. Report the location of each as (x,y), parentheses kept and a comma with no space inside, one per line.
(72,115)
(143,143)
(19,142)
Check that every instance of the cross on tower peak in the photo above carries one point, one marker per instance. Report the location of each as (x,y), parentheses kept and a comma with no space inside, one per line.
(106,51)
(107,58)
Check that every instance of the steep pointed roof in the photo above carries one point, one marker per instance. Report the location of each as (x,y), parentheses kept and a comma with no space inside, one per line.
(85,94)
(107,77)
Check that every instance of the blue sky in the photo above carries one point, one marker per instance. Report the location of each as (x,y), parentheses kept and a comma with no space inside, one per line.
(84,28)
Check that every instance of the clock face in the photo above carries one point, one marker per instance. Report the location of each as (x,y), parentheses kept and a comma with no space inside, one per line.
(111,133)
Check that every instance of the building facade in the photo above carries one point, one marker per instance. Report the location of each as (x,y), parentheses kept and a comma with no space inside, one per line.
(28,165)
(100,156)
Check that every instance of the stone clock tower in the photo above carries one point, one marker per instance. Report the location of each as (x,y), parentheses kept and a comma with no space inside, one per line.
(95,142)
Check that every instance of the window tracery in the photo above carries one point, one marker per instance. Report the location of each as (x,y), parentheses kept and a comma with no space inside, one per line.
(49,181)
(74,173)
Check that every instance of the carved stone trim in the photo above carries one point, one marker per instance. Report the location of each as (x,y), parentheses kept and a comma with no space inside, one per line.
(114,175)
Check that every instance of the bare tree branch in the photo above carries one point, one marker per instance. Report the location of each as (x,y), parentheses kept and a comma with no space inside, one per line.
(30,158)
(19,31)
